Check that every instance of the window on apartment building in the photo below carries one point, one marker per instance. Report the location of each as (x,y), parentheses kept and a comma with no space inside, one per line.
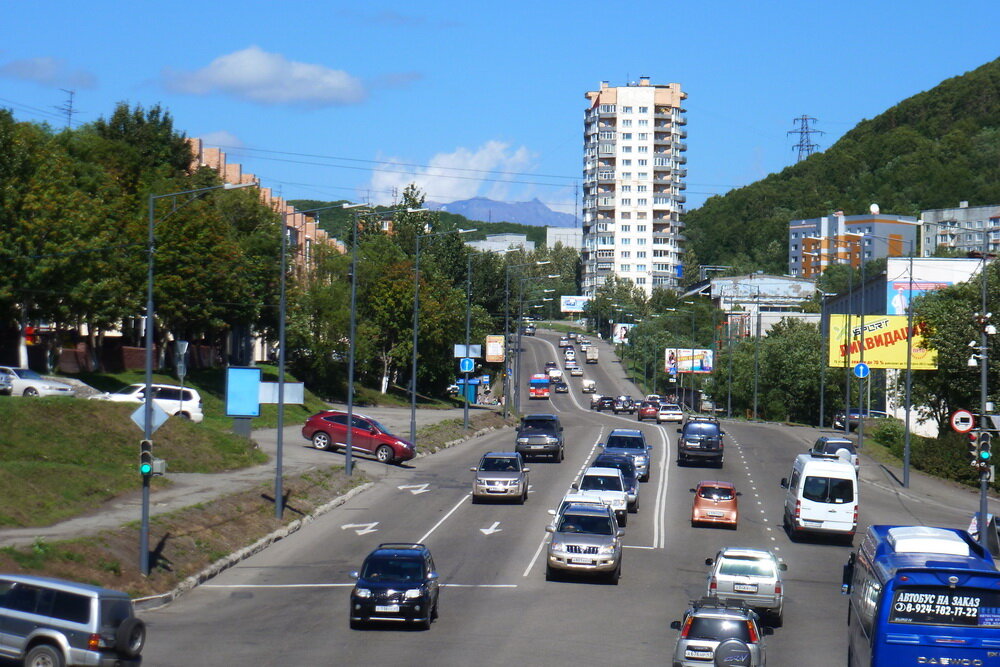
(626,109)
(640,281)
(643,122)
(641,268)
(626,163)
(643,136)
(626,188)
(643,149)
(626,175)
(661,267)
(626,201)
(643,162)
(626,215)
(640,188)
(626,241)
(626,122)
(607,108)
(661,200)
(607,135)
(640,228)
(640,254)
(795,246)
(625,268)
(795,235)
(625,254)
(640,215)
(626,228)
(642,201)
(626,149)
(626,136)
(643,109)
(640,241)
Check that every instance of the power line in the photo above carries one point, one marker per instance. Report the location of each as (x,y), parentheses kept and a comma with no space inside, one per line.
(805,145)
(67,107)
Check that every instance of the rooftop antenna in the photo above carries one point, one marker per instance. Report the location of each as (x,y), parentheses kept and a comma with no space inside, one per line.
(805,145)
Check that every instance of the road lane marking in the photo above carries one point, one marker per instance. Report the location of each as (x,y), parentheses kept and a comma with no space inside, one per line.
(365,528)
(350,585)
(636,546)
(659,513)
(535,557)
(415,489)
(492,529)
(444,518)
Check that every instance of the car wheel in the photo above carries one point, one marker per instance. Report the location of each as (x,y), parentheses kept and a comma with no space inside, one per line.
(384,454)
(521,498)
(357,624)
(624,521)
(321,440)
(562,453)
(616,575)
(44,655)
(425,623)
(130,637)
(30,391)
(184,415)
(777,619)
(475,499)
(550,574)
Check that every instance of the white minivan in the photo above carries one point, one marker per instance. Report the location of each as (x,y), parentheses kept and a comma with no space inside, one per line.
(821,497)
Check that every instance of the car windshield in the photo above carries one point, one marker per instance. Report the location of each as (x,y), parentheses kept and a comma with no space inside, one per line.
(379,426)
(497,464)
(672,408)
(580,523)
(536,425)
(600,483)
(393,569)
(828,490)
(624,442)
(716,493)
(703,429)
(718,629)
(746,567)
(26,374)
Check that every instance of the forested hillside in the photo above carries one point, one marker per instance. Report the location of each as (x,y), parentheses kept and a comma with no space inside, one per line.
(931,150)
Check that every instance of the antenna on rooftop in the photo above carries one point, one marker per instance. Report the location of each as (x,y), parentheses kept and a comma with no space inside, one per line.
(805,145)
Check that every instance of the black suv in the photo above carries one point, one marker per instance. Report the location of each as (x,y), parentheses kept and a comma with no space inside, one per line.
(397,582)
(604,403)
(540,435)
(47,621)
(624,404)
(701,440)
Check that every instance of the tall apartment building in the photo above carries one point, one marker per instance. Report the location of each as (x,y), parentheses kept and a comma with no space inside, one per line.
(963,228)
(818,243)
(633,183)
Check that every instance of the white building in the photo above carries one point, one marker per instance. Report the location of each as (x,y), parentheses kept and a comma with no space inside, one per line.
(502,242)
(633,182)
(570,237)
(961,228)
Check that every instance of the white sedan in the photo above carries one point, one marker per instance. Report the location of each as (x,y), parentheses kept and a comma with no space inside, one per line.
(669,412)
(26,382)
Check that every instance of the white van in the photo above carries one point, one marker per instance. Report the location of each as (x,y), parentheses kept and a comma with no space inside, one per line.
(821,497)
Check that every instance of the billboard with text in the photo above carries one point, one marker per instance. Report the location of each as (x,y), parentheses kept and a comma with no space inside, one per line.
(886,340)
(573,304)
(687,360)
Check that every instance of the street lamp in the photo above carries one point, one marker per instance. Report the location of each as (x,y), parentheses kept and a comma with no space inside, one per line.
(147,426)
(517,358)
(416,320)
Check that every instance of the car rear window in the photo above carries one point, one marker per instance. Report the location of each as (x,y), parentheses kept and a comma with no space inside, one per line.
(833,446)
(114,611)
(600,483)
(624,464)
(828,489)
(701,428)
(624,442)
(716,493)
(718,629)
(746,567)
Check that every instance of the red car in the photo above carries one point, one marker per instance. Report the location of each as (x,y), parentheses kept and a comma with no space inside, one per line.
(328,430)
(647,410)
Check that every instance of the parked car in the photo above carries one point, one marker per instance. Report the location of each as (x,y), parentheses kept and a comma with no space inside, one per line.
(701,440)
(26,382)
(6,384)
(752,576)
(669,412)
(328,431)
(56,622)
(647,410)
(603,403)
(830,445)
(627,467)
(500,475)
(397,582)
(540,435)
(608,486)
(715,503)
(856,416)
(176,401)
(561,387)
(630,442)
(708,624)
(585,540)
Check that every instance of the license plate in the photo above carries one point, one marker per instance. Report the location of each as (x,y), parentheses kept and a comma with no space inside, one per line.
(581,561)
(745,588)
(387,608)
(716,514)
(538,446)
(812,524)
(698,655)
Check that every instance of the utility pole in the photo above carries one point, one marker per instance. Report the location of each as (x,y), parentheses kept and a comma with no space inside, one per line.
(67,107)
(805,146)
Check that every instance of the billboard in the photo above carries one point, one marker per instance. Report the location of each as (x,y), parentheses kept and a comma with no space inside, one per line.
(619,331)
(929,273)
(494,349)
(573,304)
(687,360)
(885,339)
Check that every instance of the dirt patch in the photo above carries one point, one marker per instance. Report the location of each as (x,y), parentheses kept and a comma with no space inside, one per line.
(450,431)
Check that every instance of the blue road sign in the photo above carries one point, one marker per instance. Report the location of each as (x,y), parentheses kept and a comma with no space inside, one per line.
(466,365)
(861,370)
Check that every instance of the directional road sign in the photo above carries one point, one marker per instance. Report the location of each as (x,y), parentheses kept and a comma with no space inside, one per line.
(861,370)
(466,365)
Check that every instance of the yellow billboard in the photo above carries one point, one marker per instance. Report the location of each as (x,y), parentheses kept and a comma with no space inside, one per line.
(886,338)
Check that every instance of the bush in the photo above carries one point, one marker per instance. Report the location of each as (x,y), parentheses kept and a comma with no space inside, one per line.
(889,433)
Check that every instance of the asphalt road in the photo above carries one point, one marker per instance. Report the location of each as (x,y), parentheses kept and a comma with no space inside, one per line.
(288,604)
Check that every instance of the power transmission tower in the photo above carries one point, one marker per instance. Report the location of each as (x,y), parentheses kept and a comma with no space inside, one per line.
(805,145)
(67,107)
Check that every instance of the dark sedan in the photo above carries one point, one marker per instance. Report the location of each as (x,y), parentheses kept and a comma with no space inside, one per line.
(604,403)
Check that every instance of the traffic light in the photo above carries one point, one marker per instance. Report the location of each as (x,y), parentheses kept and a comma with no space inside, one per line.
(985,454)
(974,447)
(146,457)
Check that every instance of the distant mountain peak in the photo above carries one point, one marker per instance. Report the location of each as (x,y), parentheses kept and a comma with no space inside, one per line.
(532,212)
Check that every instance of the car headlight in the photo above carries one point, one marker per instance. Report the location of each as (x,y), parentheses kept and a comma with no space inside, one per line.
(618,502)
(404,444)
(606,549)
(363,592)
(691,443)
(412,593)
(480,481)
(522,441)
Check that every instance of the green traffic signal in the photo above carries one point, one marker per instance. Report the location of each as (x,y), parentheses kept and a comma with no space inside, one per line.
(985,448)
(146,457)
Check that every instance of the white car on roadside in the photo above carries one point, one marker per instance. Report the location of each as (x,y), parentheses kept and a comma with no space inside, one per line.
(179,401)
(26,382)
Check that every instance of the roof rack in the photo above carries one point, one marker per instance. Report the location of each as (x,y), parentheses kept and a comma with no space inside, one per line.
(401,545)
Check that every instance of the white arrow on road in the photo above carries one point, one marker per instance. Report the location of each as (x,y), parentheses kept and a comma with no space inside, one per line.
(365,528)
(415,489)
(492,529)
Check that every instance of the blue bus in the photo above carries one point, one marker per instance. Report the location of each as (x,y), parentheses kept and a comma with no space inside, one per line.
(922,596)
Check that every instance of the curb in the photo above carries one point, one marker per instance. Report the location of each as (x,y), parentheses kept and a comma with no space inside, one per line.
(451,443)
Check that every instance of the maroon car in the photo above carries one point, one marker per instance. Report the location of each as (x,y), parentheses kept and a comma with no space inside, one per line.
(647,410)
(328,430)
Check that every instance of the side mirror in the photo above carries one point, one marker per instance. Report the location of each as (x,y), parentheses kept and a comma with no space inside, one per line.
(767,630)
(433,576)
(739,493)
(525,469)
(680,430)
(575,487)
(373,430)
(552,512)
(353,574)
(675,625)
(600,445)
(848,576)
(784,482)
(692,490)
(550,529)
(620,532)
(710,561)
(783,567)
(473,469)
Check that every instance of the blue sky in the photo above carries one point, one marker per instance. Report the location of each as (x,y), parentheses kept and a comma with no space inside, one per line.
(331,100)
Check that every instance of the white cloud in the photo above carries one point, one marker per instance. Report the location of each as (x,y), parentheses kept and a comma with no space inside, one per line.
(48,72)
(222,138)
(269,78)
(461,174)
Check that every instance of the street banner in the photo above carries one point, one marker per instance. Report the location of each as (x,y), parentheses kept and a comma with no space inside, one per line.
(494,349)
(573,304)
(619,332)
(687,360)
(886,338)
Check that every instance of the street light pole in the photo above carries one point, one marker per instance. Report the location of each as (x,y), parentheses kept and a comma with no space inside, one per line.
(507,365)
(468,325)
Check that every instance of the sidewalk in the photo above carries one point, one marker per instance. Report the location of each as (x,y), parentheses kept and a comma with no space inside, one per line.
(188,489)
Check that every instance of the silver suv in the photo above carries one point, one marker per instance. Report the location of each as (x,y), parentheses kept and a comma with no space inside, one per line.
(500,475)
(586,540)
(56,622)
(712,625)
(752,576)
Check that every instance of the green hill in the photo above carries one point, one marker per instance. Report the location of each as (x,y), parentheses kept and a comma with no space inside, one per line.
(931,150)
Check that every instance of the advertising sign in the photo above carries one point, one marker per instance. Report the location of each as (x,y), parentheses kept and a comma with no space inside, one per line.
(494,349)
(619,331)
(573,304)
(929,273)
(687,360)
(885,339)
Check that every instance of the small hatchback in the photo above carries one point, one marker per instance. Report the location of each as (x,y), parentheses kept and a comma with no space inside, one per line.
(500,475)
(715,504)
(55,622)
(328,430)
(707,627)
(397,583)
(752,576)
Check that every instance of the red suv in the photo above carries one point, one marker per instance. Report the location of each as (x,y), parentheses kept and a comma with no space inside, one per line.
(647,410)
(328,430)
